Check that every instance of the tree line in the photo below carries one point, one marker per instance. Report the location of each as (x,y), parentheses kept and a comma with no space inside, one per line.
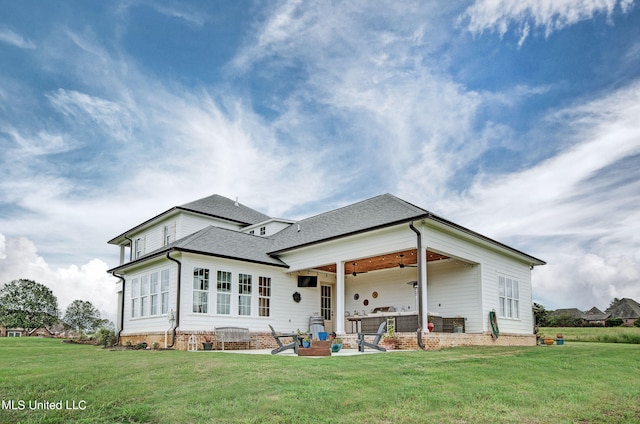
(30,305)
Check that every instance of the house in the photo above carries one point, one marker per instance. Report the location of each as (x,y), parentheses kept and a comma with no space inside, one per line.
(626,309)
(215,262)
(595,316)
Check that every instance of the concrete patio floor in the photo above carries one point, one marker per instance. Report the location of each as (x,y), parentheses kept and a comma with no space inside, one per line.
(342,352)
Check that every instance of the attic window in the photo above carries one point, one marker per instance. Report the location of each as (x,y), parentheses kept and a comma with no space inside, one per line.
(263,231)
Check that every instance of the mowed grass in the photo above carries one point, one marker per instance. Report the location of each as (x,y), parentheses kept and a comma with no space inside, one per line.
(577,382)
(595,334)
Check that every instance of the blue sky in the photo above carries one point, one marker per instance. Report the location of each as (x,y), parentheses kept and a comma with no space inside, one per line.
(518,120)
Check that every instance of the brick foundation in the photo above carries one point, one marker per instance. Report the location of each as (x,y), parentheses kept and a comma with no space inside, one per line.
(407,341)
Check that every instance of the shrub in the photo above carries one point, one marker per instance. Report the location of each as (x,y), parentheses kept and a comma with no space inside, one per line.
(614,322)
(636,323)
(106,337)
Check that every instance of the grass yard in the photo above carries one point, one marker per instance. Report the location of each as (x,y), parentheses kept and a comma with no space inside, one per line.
(574,383)
(595,334)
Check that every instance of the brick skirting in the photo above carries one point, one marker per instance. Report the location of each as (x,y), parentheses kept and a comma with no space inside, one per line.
(407,341)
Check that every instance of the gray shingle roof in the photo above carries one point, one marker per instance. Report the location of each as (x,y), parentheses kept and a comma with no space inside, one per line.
(222,207)
(377,212)
(219,242)
(625,308)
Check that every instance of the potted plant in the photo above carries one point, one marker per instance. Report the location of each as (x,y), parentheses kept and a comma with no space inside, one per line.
(457,326)
(430,324)
(560,339)
(389,340)
(336,344)
(208,343)
(306,342)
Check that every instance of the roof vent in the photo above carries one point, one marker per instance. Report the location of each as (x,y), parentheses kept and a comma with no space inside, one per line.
(298,227)
(237,204)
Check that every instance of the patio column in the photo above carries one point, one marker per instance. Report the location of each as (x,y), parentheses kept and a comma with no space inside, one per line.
(422,258)
(339,317)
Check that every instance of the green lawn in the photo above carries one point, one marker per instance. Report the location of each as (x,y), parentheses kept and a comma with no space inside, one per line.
(595,334)
(577,382)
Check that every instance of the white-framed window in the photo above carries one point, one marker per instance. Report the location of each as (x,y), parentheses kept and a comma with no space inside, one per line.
(263,231)
(139,247)
(509,297)
(14,334)
(164,291)
(135,297)
(153,293)
(252,231)
(144,295)
(168,233)
(264,296)
(200,290)
(244,294)
(223,291)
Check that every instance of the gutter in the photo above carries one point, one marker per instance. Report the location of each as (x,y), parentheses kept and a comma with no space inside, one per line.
(173,331)
(420,261)
(121,308)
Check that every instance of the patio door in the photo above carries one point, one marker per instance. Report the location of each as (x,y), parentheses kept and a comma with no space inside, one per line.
(326,306)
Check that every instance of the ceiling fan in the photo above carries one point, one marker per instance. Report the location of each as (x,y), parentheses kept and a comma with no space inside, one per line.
(402,264)
(354,273)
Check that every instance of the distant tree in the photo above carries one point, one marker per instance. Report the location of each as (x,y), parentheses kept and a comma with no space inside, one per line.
(541,315)
(636,323)
(564,320)
(28,305)
(82,316)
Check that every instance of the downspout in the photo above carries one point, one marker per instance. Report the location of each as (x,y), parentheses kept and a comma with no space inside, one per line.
(121,308)
(173,332)
(419,331)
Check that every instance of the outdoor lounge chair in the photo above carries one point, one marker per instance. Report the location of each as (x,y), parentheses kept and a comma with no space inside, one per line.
(282,347)
(373,345)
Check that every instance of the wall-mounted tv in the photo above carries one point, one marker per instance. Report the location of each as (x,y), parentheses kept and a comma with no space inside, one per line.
(307,281)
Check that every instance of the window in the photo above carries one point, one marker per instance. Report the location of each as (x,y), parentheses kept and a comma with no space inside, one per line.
(223,305)
(144,295)
(264,296)
(164,290)
(200,290)
(252,232)
(168,233)
(509,297)
(244,294)
(263,231)
(14,334)
(139,247)
(153,293)
(135,293)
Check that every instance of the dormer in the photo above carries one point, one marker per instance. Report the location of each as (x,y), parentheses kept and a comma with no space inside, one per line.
(268,227)
(182,221)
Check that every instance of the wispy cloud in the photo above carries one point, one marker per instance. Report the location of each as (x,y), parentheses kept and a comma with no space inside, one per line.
(500,15)
(9,36)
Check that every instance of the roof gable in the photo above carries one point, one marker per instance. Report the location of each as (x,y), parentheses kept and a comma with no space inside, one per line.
(625,308)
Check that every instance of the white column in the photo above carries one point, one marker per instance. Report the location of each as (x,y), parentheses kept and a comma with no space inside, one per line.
(422,256)
(339,297)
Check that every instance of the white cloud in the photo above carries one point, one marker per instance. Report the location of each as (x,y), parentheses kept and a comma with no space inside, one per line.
(550,15)
(10,37)
(87,282)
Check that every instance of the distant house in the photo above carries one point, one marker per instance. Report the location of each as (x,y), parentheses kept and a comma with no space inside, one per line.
(595,316)
(11,332)
(214,262)
(626,309)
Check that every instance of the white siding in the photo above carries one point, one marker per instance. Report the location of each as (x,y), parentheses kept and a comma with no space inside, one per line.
(190,223)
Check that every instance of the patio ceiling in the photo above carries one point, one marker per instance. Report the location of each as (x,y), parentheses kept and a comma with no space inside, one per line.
(390,260)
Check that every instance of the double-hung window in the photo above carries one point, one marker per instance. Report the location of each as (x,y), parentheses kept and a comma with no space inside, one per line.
(223,303)
(144,295)
(244,294)
(509,297)
(153,293)
(200,290)
(264,296)
(135,293)
(164,290)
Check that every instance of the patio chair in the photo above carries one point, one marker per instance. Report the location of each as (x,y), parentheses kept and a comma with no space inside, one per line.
(373,345)
(281,346)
